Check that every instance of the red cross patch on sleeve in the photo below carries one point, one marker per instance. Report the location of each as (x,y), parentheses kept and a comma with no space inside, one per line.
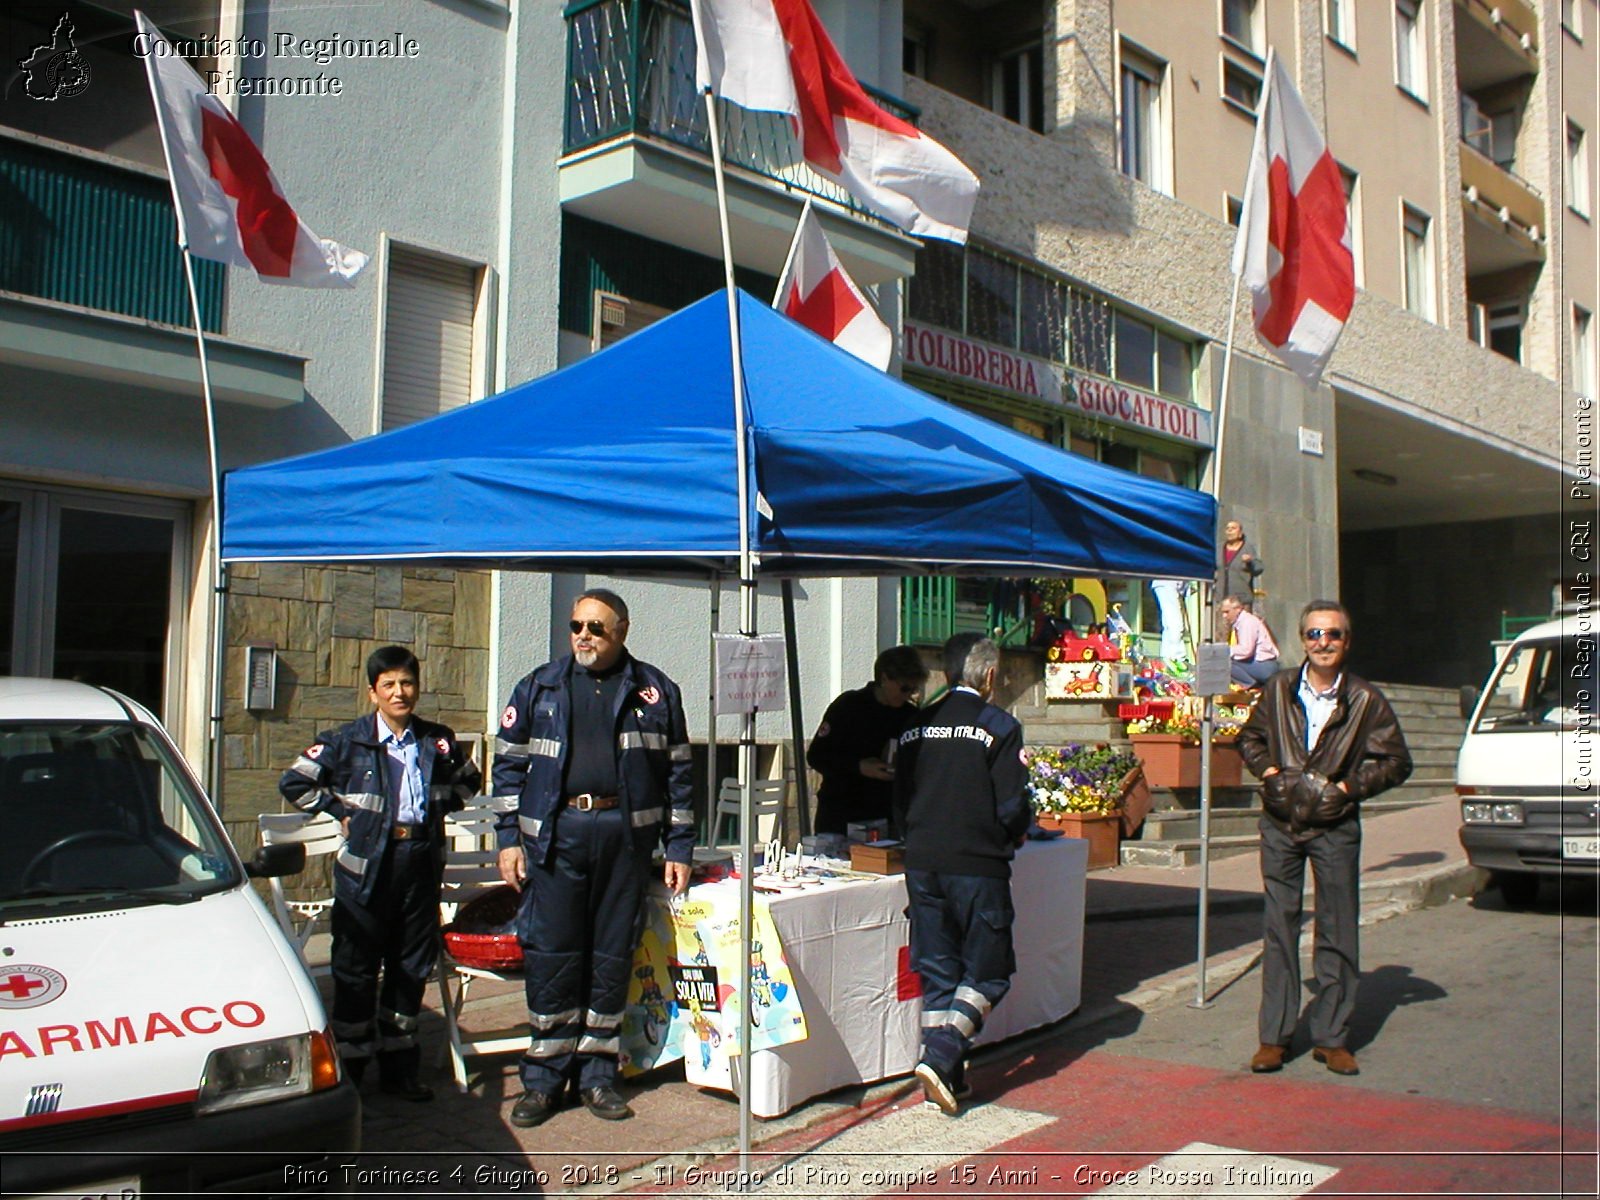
(509,717)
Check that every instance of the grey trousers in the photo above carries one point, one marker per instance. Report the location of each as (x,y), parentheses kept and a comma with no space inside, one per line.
(1335,856)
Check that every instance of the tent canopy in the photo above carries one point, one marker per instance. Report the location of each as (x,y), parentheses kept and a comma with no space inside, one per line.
(625,462)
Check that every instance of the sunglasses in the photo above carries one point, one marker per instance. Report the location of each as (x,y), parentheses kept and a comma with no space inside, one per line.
(1317,635)
(595,628)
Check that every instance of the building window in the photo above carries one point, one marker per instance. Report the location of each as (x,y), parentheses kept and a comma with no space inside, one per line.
(1143,120)
(1583,367)
(1016,86)
(1339,21)
(1044,318)
(1089,335)
(938,286)
(1240,23)
(914,51)
(1577,170)
(434,336)
(1410,51)
(991,298)
(1136,352)
(1174,367)
(1418,262)
(1502,325)
(1241,87)
(1352,216)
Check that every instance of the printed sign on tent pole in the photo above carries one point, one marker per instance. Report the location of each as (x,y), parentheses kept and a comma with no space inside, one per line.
(750,673)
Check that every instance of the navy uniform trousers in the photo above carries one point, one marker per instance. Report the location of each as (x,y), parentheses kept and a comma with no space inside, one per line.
(961,947)
(398,930)
(579,925)
(1335,856)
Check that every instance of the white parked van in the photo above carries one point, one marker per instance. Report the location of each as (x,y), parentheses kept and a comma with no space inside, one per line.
(1527,772)
(152,1014)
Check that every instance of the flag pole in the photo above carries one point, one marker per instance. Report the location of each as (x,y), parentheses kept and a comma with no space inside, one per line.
(794,248)
(1209,602)
(214,468)
(747,628)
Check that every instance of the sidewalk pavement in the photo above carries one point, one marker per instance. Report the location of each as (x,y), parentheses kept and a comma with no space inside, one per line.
(1141,943)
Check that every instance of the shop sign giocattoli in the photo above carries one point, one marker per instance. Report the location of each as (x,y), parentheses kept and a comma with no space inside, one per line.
(1123,405)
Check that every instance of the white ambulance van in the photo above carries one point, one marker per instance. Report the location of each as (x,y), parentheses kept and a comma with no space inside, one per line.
(158,1036)
(1527,773)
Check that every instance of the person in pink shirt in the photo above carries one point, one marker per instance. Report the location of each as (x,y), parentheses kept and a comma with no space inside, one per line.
(1254,653)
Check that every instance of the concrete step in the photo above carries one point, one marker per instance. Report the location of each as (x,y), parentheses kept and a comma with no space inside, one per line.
(1186,853)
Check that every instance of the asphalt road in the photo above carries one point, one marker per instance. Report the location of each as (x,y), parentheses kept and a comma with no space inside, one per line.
(1469,1002)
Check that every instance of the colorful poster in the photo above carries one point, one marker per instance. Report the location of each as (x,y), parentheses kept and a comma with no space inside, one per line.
(684,995)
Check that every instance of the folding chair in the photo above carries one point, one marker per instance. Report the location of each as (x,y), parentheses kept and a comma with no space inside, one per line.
(299,919)
(471,868)
(767,807)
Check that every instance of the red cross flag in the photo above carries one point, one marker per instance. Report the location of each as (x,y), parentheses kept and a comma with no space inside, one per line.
(817,291)
(1293,247)
(775,56)
(230,207)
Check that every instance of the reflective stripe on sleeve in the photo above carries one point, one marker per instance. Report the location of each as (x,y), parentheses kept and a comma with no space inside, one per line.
(370,801)
(544,1022)
(551,1047)
(589,1044)
(633,739)
(682,817)
(682,752)
(512,749)
(647,816)
(530,826)
(352,863)
(545,747)
(308,768)
(504,804)
(973,999)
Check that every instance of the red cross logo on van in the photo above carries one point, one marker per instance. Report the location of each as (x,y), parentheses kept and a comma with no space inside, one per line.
(29,986)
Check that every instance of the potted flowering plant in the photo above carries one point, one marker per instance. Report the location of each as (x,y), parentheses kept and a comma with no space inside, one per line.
(1087,791)
(1169,747)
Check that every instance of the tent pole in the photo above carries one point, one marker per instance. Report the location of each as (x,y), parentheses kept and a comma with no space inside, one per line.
(747,628)
(1208,603)
(713,778)
(797,726)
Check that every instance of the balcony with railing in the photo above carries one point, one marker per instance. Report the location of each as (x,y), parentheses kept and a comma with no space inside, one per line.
(82,229)
(637,148)
(92,287)
(1496,40)
(1505,217)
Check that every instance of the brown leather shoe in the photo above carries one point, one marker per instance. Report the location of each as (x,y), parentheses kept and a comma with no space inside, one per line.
(1337,1059)
(1268,1058)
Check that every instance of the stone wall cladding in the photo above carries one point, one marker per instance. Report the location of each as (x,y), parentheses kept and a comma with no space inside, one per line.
(324,622)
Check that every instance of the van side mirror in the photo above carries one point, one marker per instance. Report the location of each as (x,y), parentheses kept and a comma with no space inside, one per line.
(282,859)
(1468,701)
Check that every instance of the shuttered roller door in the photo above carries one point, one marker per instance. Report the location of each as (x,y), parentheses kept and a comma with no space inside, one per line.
(427,343)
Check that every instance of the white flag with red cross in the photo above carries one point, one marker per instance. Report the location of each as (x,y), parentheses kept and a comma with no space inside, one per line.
(1294,246)
(230,207)
(817,292)
(776,56)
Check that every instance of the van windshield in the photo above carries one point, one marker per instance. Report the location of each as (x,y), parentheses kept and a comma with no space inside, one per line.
(1542,685)
(101,815)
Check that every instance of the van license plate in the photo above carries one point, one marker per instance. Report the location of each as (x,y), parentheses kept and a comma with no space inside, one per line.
(106,1189)
(1580,847)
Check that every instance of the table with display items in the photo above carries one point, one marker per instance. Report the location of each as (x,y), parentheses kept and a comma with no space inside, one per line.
(836,1001)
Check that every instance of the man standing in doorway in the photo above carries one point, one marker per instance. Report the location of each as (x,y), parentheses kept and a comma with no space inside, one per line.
(591,773)
(959,798)
(1321,741)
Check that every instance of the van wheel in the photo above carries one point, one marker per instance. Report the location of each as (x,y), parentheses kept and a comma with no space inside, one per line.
(1518,889)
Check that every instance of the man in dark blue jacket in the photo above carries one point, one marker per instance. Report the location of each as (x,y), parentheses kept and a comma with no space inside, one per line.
(960,800)
(389,778)
(591,773)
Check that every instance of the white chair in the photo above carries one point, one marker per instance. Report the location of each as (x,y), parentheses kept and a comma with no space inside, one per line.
(471,868)
(767,807)
(321,836)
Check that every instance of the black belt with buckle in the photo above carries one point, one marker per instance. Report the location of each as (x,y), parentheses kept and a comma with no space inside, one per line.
(589,802)
(409,833)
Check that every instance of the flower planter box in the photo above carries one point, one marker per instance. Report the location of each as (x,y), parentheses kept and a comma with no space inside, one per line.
(1103,832)
(1136,801)
(1171,763)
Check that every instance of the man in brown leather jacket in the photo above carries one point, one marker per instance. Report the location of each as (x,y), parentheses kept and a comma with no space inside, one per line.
(1321,741)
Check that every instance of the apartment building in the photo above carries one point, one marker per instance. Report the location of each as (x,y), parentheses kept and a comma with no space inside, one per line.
(533,182)
(1422,482)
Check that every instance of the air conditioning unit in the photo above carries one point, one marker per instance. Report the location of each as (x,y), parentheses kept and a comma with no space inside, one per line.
(615,317)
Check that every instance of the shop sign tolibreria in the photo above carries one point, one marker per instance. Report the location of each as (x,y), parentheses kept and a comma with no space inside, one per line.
(944,353)
(940,352)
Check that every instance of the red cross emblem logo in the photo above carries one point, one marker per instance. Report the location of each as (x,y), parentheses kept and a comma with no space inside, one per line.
(1307,229)
(649,695)
(828,309)
(27,985)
